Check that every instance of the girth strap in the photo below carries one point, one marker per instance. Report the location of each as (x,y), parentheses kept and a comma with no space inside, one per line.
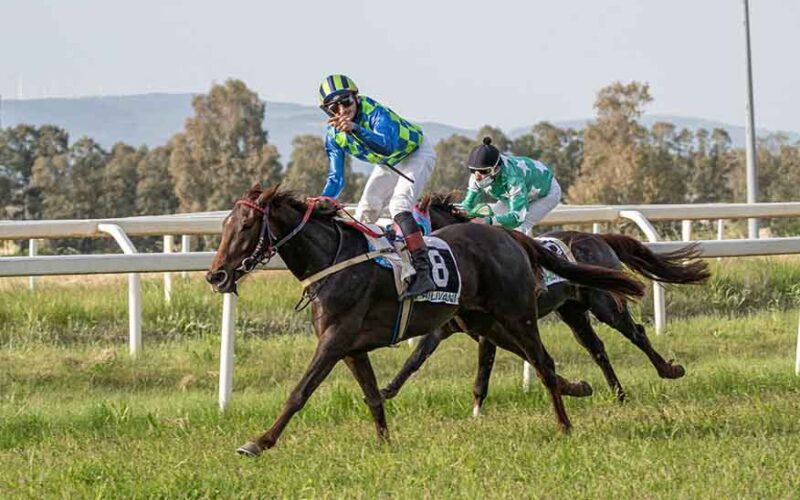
(343,265)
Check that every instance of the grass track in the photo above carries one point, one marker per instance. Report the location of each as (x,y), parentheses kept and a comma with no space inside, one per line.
(83,421)
(80,419)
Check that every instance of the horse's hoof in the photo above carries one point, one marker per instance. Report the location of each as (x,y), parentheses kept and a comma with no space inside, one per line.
(584,389)
(674,371)
(476,410)
(621,397)
(249,450)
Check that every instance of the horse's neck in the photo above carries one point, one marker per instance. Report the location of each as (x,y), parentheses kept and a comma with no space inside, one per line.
(310,250)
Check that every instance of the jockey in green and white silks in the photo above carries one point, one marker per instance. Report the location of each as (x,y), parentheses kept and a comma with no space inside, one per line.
(525,189)
(366,129)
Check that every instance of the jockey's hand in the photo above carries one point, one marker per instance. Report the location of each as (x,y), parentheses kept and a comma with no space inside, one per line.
(341,123)
(479,220)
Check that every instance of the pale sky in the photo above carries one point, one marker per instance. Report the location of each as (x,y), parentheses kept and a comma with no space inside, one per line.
(465,63)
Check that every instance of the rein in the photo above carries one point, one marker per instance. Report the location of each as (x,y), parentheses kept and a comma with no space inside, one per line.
(266,248)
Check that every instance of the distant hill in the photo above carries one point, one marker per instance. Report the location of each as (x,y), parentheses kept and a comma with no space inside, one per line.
(152,119)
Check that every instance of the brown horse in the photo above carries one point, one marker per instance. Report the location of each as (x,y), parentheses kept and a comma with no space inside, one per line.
(354,309)
(572,301)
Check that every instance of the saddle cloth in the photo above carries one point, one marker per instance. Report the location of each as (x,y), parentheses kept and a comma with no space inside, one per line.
(560,248)
(444,270)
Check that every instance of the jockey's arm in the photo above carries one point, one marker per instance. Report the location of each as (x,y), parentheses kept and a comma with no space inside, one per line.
(335,181)
(473,195)
(383,135)
(517,208)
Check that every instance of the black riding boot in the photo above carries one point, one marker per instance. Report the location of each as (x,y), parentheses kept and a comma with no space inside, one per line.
(421,281)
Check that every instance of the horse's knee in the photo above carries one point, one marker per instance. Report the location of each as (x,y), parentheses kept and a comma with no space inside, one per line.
(374,401)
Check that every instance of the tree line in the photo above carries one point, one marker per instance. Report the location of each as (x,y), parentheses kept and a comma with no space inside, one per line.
(224,148)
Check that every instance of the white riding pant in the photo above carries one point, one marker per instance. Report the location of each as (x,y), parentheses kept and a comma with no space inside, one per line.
(386,187)
(537,209)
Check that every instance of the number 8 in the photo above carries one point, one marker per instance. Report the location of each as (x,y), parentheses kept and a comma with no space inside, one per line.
(439,268)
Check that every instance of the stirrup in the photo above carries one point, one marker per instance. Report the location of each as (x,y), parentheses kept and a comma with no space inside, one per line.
(417,281)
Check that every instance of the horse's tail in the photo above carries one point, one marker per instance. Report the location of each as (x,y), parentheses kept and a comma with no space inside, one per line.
(619,284)
(679,266)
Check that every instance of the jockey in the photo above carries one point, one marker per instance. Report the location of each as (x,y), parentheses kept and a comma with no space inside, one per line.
(525,189)
(403,159)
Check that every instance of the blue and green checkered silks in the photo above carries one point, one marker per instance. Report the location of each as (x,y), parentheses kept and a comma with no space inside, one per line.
(410,136)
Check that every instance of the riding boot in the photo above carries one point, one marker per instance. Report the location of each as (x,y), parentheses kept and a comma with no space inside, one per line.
(421,281)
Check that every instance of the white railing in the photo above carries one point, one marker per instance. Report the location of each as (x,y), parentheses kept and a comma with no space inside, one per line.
(211,223)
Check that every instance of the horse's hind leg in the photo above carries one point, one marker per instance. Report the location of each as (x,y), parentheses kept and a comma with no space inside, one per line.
(525,334)
(606,310)
(575,316)
(424,349)
(483,325)
(362,370)
(486,353)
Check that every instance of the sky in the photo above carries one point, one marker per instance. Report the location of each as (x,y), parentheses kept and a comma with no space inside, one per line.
(465,63)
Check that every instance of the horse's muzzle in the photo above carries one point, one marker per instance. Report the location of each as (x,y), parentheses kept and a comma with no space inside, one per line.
(221,281)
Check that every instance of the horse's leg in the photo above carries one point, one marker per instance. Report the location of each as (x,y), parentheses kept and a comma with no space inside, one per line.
(486,353)
(483,326)
(524,333)
(606,310)
(325,357)
(361,368)
(425,347)
(575,316)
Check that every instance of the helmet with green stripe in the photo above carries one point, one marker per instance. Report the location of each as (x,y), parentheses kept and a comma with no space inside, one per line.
(334,86)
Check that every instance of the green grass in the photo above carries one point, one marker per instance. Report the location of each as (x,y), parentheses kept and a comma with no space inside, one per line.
(78,418)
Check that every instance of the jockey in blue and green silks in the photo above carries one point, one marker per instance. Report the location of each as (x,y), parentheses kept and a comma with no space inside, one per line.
(525,189)
(364,128)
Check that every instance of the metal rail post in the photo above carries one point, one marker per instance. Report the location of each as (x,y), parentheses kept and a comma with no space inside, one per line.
(659,304)
(168,242)
(686,230)
(226,349)
(186,247)
(33,247)
(134,289)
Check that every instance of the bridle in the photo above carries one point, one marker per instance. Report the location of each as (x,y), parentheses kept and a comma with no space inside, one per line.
(267,247)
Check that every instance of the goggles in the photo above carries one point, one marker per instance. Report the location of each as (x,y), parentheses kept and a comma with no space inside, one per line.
(345,102)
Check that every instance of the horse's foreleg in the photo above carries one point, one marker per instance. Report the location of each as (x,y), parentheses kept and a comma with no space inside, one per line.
(486,353)
(361,368)
(325,357)
(425,347)
(605,309)
(576,318)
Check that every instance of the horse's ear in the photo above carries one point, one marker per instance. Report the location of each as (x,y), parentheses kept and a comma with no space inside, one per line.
(424,202)
(254,191)
(267,194)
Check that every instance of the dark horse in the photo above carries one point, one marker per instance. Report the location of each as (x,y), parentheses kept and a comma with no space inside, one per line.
(354,309)
(570,300)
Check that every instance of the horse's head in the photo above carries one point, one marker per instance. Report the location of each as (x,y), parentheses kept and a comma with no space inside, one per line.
(241,232)
(442,209)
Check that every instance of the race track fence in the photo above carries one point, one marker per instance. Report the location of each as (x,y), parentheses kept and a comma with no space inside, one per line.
(210,223)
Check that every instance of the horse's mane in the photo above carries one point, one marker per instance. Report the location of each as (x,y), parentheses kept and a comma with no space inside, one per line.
(444,201)
(322,210)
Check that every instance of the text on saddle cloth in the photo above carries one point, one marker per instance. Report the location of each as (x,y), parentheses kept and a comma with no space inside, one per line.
(444,269)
